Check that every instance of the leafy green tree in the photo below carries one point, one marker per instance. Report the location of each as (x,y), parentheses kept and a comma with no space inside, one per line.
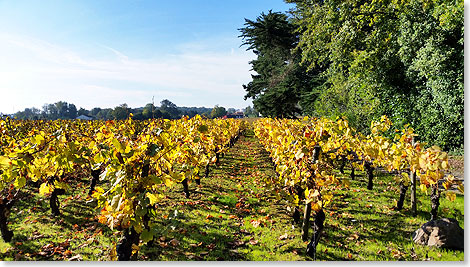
(399,58)
(432,49)
(251,112)
(94,112)
(28,114)
(59,110)
(169,109)
(218,112)
(149,111)
(121,112)
(83,111)
(105,114)
(50,112)
(248,111)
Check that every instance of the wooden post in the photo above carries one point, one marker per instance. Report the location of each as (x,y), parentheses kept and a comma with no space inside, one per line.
(6,234)
(413,187)
(318,226)
(435,194)
(124,248)
(308,207)
(342,164)
(185,187)
(306,222)
(95,177)
(401,200)
(370,174)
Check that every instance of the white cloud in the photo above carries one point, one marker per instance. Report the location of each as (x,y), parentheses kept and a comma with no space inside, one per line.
(34,72)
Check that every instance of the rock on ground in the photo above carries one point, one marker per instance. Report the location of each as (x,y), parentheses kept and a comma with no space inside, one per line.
(443,233)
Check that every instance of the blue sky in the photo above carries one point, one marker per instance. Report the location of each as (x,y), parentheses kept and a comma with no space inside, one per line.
(106,53)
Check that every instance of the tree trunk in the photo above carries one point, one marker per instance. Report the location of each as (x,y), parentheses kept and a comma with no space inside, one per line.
(317,230)
(217,156)
(54,201)
(352,173)
(308,207)
(206,174)
(300,194)
(7,235)
(124,249)
(296,215)
(370,174)
(306,221)
(95,176)
(145,170)
(342,164)
(185,187)
(414,211)
(401,200)
(435,194)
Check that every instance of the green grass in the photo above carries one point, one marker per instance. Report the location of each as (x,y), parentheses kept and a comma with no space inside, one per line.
(40,236)
(234,216)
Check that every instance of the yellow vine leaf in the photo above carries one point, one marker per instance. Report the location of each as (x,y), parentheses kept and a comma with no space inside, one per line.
(44,189)
(451,196)
(4,162)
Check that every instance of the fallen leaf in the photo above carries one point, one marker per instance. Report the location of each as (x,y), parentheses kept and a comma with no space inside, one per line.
(174,242)
(284,236)
(77,257)
(67,253)
(253,241)
(255,223)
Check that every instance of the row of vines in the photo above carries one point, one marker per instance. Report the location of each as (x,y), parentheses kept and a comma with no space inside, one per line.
(305,154)
(135,162)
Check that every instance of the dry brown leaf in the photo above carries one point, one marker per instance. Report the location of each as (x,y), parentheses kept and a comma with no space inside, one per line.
(77,257)
(284,236)
(174,242)
(255,223)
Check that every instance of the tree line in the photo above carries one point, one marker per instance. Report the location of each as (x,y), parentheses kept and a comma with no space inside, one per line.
(361,60)
(166,110)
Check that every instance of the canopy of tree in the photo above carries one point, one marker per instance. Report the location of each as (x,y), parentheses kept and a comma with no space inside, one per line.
(218,112)
(281,87)
(361,60)
(64,110)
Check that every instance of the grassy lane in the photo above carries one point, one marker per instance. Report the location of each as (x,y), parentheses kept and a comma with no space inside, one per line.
(230,217)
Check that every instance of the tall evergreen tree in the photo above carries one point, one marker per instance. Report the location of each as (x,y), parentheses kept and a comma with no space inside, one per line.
(279,82)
